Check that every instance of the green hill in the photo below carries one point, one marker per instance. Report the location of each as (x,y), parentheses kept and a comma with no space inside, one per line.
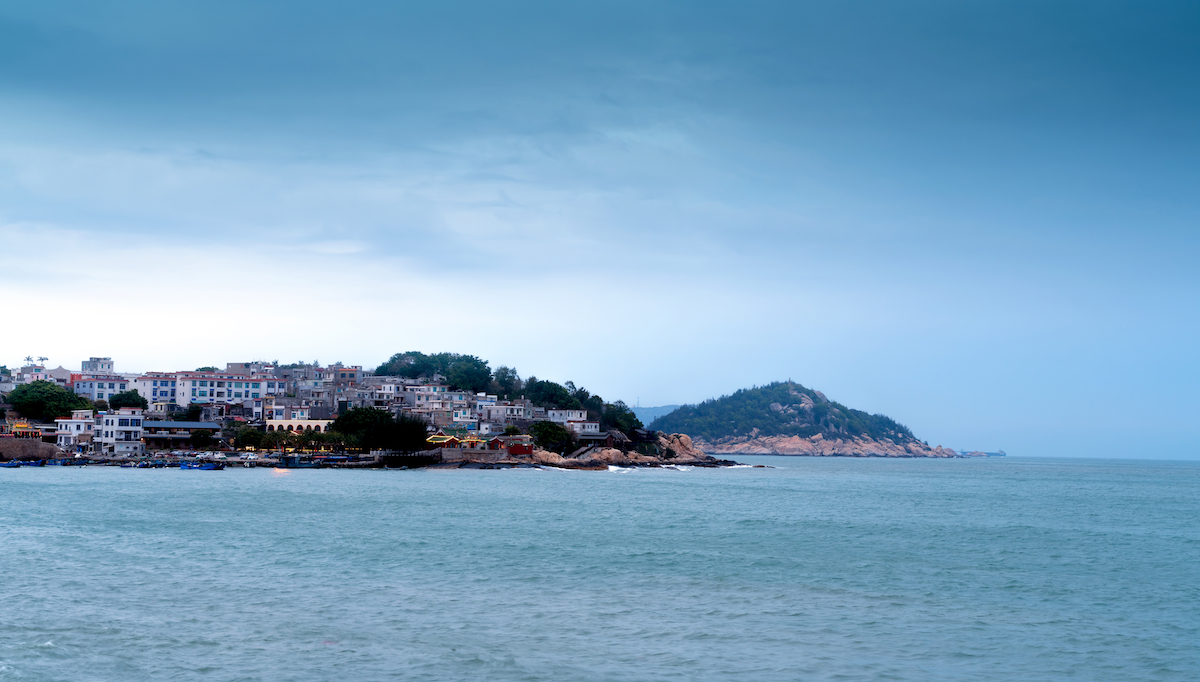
(779,409)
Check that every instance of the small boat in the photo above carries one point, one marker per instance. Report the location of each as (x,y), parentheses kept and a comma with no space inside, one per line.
(202,466)
(34,463)
(10,465)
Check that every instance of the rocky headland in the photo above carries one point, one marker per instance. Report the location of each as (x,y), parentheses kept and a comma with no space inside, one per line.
(785,418)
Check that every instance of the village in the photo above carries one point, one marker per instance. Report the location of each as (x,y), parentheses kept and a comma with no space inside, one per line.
(183,414)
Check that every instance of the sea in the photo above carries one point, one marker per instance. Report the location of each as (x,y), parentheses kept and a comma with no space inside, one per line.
(811,569)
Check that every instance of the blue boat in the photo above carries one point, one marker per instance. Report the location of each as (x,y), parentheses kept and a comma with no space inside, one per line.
(10,465)
(206,466)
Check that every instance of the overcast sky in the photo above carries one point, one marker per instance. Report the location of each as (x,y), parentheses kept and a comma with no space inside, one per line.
(981,219)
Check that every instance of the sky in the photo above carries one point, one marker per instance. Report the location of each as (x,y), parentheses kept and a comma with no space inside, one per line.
(979,218)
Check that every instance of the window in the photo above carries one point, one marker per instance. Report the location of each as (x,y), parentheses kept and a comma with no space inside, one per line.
(122,387)
(135,422)
(203,394)
(254,395)
(220,384)
(111,386)
(154,383)
(203,383)
(256,385)
(220,394)
(122,422)
(237,384)
(270,384)
(238,394)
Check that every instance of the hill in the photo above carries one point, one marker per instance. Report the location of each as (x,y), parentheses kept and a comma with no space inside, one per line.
(786,418)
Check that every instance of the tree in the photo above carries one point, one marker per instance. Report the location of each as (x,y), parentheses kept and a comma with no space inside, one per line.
(550,394)
(511,430)
(249,438)
(206,369)
(45,401)
(469,373)
(277,440)
(130,398)
(191,414)
(506,381)
(618,416)
(101,405)
(202,439)
(363,427)
(370,429)
(551,436)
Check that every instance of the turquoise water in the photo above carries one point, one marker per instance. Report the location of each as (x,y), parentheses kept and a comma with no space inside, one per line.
(820,569)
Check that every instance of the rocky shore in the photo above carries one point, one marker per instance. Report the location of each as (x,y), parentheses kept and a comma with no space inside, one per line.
(821,446)
(675,450)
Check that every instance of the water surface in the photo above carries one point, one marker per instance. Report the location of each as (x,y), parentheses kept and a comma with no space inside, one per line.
(819,569)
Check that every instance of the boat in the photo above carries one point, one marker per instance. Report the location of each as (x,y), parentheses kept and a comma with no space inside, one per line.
(10,465)
(202,466)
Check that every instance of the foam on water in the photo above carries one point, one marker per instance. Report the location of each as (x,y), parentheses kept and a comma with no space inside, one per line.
(816,570)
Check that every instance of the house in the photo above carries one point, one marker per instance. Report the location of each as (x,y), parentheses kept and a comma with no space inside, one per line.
(119,433)
(581,428)
(74,434)
(564,416)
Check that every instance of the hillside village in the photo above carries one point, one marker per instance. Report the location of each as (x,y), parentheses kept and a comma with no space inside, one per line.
(186,410)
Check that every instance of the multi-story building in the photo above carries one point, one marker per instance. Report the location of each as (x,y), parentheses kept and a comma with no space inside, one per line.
(222,387)
(74,434)
(119,432)
(98,366)
(157,387)
(100,387)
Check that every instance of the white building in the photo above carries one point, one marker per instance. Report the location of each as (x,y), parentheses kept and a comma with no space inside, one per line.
(119,432)
(564,416)
(582,428)
(100,387)
(221,387)
(75,433)
(157,387)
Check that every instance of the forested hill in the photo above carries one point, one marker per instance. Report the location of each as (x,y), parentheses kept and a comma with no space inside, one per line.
(779,409)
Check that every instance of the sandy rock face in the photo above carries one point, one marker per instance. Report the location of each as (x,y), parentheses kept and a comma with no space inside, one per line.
(677,448)
(26,448)
(820,446)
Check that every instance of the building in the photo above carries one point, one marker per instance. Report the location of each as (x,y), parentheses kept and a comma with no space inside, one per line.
(157,387)
(564,416)
(97,366)
(583,428)
(119,433)
(160,435)
(100,387)
(74,434)
(299,425)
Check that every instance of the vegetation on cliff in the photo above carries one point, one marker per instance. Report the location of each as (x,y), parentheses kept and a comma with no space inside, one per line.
(469,373)
(779,409)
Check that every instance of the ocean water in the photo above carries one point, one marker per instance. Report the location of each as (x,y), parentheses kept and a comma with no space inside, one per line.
(818,569)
